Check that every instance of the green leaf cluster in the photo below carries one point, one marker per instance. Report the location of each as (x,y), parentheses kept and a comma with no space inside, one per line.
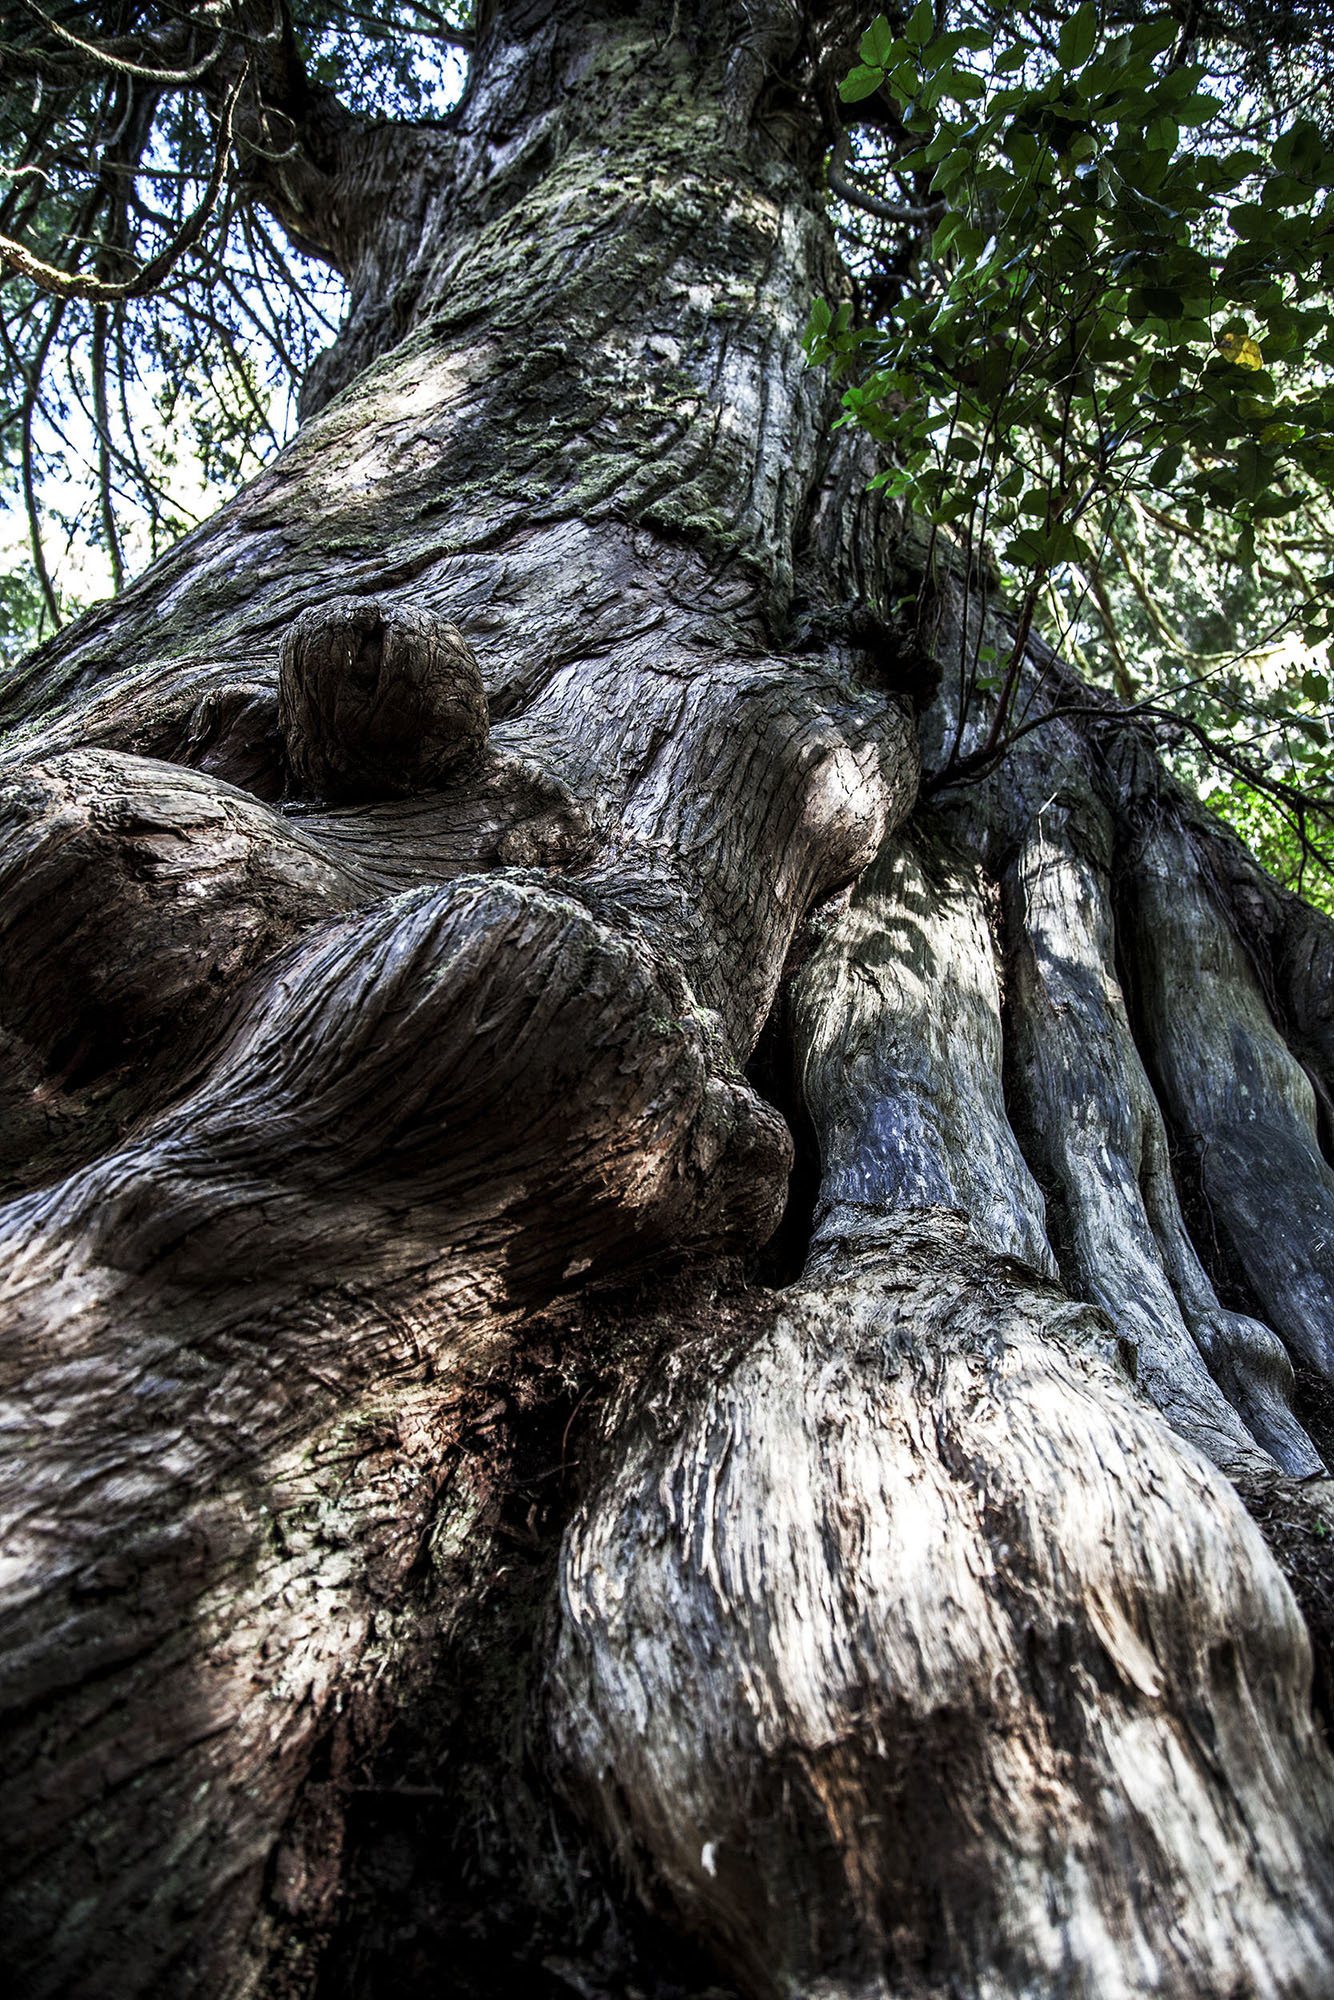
(1113,303)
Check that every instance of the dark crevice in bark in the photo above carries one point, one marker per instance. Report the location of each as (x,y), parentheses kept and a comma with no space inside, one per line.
(1313,1402)
(771,1072)
(1297,1522)
(1324,1109)
(443,1826)
(463,1871)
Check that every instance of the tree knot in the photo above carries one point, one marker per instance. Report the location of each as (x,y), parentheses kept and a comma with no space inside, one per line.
(377,700)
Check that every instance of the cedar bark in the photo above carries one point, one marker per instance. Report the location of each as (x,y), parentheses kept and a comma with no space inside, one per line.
(443,1547)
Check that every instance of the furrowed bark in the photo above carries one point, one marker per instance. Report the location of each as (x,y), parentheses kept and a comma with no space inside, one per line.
(930,1672)
(900,1033)
(893,1698)
(366,1009)
(1240,1102)
(1092,1127)
(323,1172)
(214,1332)
(331,1128)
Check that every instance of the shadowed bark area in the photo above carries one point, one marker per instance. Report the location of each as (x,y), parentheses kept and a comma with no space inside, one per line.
(215,1328)
(1093,1122)
(395,883)
(371,706)
(1244,1108)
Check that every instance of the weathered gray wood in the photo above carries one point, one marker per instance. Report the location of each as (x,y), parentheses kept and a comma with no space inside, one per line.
(880,1700)
(897,1019)
(939,1665)
(1092,1125)
(1239,1100)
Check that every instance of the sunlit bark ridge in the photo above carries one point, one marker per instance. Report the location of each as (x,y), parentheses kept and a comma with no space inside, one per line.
(397,884)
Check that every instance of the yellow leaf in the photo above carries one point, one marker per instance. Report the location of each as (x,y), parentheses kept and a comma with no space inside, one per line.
(1240,350)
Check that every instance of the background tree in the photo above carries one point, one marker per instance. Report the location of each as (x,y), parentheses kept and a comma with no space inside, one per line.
(158,327)
(456,902)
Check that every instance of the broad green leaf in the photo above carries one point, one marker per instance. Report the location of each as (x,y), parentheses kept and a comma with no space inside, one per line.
(1159,302)
(921,24)
(1249,218)
(1078,36)
(877,44)
(962,85)
(817,326)
(1154,38)
(951,171)
(860,83)
(1197,109)
(1300,150)
(1166,466)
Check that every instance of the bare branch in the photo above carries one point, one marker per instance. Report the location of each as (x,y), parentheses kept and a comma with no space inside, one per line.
(73,285)
(873,204)
(106,55)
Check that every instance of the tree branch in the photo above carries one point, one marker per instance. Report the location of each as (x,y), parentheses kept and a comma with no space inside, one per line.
(108,56)
(873,204)
(50,278)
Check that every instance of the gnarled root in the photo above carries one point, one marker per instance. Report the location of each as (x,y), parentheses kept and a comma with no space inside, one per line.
(914,1653)
(234,1351)
(916,1656)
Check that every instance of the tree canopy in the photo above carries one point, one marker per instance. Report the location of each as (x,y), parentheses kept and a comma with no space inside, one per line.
(1096,256)
(157,325)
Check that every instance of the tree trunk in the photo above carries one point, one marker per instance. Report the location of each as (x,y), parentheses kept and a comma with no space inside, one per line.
(435,1523)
